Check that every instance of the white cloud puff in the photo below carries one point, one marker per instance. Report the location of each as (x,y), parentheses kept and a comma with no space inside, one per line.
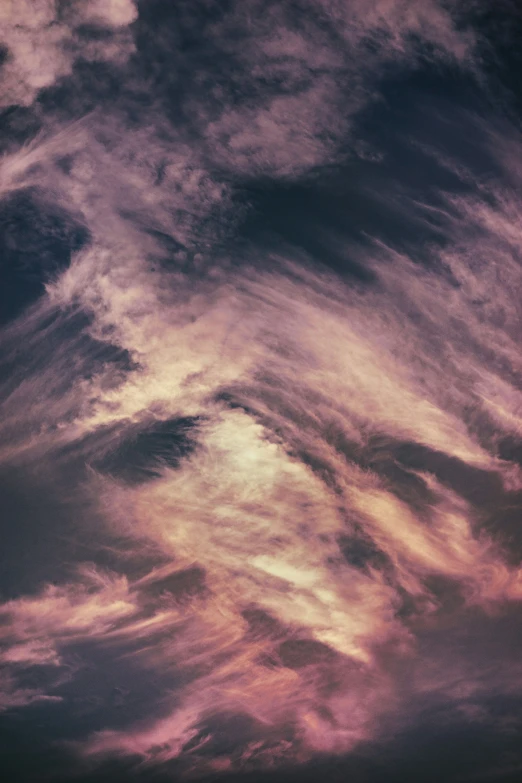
(42,43)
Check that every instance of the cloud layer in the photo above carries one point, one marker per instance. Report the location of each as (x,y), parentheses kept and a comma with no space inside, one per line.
(293,491)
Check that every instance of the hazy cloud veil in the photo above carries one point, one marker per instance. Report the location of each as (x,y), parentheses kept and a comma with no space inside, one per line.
(260,390)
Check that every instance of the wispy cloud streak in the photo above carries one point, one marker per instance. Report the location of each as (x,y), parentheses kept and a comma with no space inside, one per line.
(300,476)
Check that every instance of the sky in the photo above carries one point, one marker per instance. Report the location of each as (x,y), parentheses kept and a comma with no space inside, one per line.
(260,391)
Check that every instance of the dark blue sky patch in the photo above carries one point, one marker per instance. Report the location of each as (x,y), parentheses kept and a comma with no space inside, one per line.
(49,525)
(361,552)
(180,585)
(35,527)
(143,454)
(474,484)
(61,338)
(92,85)
(296,653)
(308,216)
(448,593)
(261,624)
(37,240)
(108,685)
(18,124)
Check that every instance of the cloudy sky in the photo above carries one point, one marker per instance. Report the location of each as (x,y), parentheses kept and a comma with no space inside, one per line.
(260,391)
